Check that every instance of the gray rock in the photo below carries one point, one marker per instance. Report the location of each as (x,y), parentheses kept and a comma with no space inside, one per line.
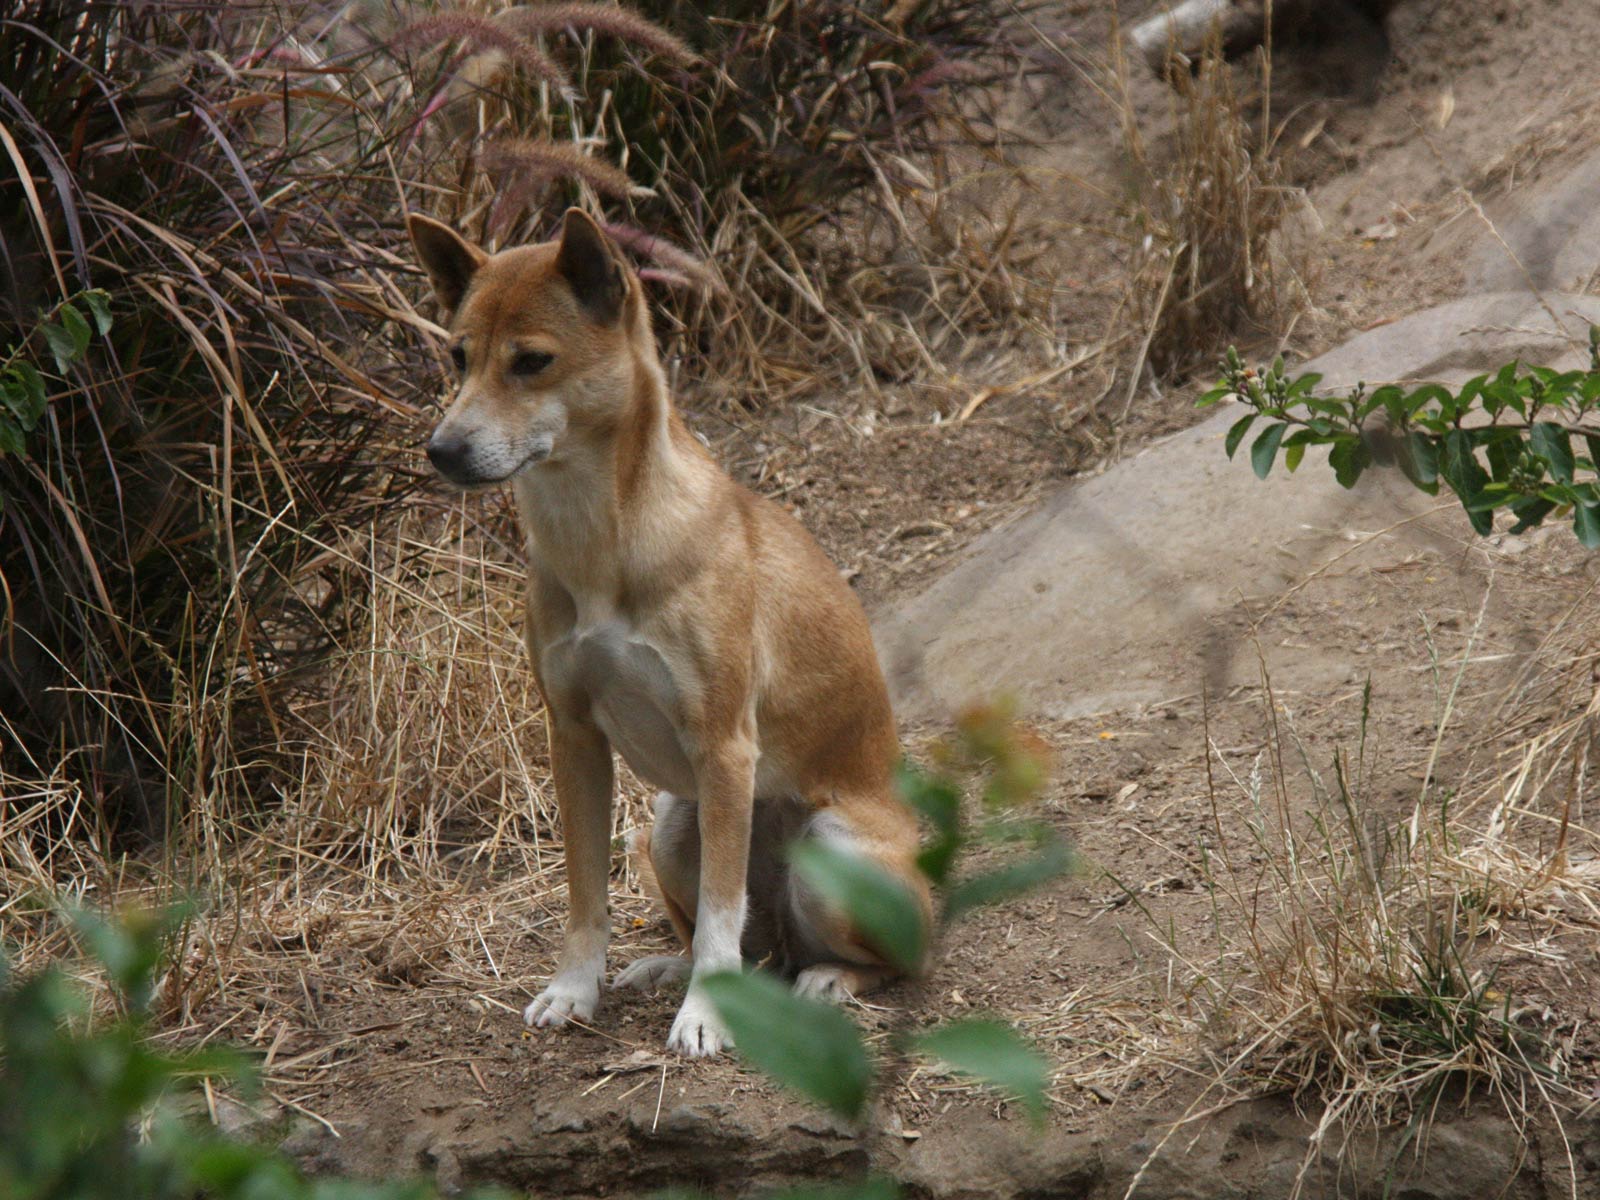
(1551,235)
(314,1148)
(1087,603)
(999,1162)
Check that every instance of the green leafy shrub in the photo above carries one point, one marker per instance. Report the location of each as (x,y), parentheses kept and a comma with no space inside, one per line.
(1517,439)
(91,1110)
(812,1046)
(66,331)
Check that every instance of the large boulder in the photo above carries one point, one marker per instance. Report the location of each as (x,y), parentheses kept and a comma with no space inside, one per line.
(1119,585)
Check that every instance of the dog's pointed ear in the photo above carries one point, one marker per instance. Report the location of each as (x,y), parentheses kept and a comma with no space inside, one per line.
(589,265)
(448,258)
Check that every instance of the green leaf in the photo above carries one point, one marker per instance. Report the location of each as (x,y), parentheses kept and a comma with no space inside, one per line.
(131,947)
(878,905)
(225,1167)
(933,797)
(940,802)
(1236,433)
(1420,459)
(1461,469)
(1348,458)
(1293,455)
(1469,391)
(1428,393)
(1390,398)
(1530,512)
(1265,448)
(77,328)
(1493,496)
(1302,386)
(803,1044)
(15,398)
(99,302)
(1435,425)
(993,1053)
(1586,524)
(1504,452)
(11,437)
(937,857)
(1052,858)
(62,347)
(1592,441)
(1554,445)
(33,386)
(1564,386)
(1342,410)
(1213,396)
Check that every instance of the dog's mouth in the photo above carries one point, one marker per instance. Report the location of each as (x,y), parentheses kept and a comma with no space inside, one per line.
(540,449)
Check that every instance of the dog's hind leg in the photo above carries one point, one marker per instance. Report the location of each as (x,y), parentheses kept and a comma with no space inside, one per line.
(832,960)
(653,972)
(790,928)
(838,982)
(667,857)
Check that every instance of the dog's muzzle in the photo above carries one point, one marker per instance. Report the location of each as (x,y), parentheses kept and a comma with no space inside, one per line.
(453,457)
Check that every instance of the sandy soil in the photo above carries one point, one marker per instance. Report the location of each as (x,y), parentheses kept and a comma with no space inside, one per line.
(1479,108)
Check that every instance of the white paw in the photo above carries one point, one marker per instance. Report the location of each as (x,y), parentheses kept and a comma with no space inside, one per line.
(652,972)
(697,1031)
(826,983)
(566,999)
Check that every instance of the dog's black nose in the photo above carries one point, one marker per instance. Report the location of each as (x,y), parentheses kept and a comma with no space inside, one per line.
(448,454)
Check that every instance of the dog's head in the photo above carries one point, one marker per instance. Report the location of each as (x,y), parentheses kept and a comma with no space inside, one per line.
(544,343)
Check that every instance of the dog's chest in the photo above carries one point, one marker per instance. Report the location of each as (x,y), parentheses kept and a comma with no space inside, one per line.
(633,695)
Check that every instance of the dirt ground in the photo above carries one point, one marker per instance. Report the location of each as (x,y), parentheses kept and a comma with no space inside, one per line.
(383,1068)
(415,1074)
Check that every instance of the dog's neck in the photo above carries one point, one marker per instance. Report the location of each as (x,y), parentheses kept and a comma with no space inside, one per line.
(615,497)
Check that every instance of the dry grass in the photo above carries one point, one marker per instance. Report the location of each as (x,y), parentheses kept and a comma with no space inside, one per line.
(806,164)
(1207,200)
(184,575)
(417,842)
(1363,958)
(1209,249)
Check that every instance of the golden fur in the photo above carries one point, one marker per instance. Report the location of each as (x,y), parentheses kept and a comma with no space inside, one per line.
(674,617)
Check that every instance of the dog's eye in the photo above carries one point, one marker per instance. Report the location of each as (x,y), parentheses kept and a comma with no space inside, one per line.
(531,362)
(458,356)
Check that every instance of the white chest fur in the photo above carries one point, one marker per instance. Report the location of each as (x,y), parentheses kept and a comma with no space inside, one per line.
(633,694)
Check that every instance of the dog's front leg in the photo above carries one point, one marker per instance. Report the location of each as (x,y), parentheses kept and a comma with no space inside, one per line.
(726,781)
(581,762)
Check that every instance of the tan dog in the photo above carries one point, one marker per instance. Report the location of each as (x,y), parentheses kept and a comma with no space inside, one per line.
(675,618)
